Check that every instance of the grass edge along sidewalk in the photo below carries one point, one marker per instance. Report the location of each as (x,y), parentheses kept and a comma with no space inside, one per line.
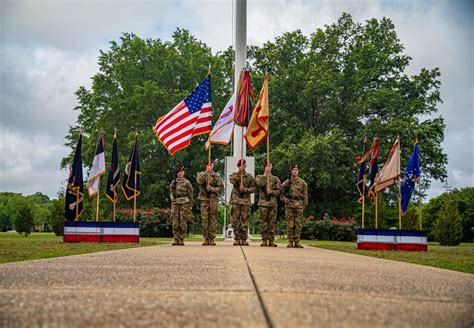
(14,248)
(456,258)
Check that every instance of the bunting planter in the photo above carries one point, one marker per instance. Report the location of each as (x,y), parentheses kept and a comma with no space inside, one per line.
(101,232)
(392,240)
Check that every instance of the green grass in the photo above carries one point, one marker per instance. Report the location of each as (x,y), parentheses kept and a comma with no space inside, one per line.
(14,247)
(457,258)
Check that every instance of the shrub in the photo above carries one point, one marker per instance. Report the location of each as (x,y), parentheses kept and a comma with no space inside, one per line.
(23,217)
(448,226)
(57,216)
(153,222)
(343,229)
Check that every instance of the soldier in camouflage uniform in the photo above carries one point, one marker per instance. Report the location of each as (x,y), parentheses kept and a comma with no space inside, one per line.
(268,204)
(181,194)
(240,200)
(294,193)
(209,197)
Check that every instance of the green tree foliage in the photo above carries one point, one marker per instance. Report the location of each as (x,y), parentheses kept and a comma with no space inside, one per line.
(22,215)
(465,206)
(327,92)
(448,226)
(57,216)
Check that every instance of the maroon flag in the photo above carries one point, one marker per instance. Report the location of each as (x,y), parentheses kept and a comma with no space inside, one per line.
(243,101)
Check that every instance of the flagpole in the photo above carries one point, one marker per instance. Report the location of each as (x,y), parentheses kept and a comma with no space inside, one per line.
(97,206)
(209,163)
(376,208)
(399,189)
(77,206)
(268,140)
(135,199)
(363,200)
(114,212)
(419,202)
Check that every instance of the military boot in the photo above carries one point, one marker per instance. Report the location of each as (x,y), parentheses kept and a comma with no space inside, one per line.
(290,244)
(236,242)
(245,243)
(175,242)
(206,242)
(212,242)
(272,244)
(181,242)
(264,243)
(298,245)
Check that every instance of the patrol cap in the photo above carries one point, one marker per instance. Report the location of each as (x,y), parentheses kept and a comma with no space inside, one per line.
(242,160)
(293,166)
(266,162)
(209,162)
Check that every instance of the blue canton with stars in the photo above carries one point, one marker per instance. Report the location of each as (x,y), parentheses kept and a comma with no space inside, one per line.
(200,96)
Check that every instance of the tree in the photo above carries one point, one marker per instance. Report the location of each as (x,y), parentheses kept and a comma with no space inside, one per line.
(448,226)
(22,216)
(327,91)
(57,216)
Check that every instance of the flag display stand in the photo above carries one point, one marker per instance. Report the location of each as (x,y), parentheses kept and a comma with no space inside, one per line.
(392,240)
(101,232)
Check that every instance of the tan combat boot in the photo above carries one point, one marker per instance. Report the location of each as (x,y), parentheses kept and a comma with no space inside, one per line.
(272,244)
(175,242)
(264,243)
(236,242)
(298,245)
(212,242)
(245,243)
(181,242)
(290,244)
(206,242)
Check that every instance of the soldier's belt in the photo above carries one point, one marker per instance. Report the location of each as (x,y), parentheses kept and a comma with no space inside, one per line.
(296,197)
(181,200)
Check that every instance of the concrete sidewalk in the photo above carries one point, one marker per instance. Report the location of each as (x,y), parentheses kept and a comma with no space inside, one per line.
(195,286)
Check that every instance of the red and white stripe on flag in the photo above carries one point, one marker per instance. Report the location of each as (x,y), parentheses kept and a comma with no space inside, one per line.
(191,117)
(176,128)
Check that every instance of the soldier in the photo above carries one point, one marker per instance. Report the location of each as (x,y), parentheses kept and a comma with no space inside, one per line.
(240,200)
(211,186)
(181,194)
(294,193)
(269,186)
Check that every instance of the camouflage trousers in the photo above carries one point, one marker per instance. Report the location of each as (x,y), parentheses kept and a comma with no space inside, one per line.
(240,223)
(268,215)
(180,214)
(294,218)
(209,218)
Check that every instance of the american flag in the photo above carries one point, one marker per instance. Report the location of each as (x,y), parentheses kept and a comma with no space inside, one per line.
(191,117)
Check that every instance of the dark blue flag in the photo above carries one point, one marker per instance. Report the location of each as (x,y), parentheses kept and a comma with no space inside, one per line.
(75,186)
(113,178)
(131,180)
(412,174)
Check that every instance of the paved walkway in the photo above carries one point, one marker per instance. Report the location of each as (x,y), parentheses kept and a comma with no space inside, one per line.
(228,286)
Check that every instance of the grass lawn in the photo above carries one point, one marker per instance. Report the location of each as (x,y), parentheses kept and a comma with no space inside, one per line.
(457,258)
(14,247)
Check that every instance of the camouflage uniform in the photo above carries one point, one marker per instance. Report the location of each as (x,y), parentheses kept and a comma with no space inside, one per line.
(209,202)
(181,206)
(297,197)
(241,207)
(268,206)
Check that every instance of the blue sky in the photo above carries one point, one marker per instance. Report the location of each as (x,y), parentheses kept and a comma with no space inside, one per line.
(50,48)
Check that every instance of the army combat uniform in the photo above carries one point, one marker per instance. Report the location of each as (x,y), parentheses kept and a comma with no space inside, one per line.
(241,206)
(209,201)
(268,207)
(181,192)
(295,197)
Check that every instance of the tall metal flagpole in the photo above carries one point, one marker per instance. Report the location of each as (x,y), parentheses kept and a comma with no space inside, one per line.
(399,189)
(239,64)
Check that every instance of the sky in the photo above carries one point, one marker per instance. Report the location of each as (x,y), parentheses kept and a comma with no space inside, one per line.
(48,49)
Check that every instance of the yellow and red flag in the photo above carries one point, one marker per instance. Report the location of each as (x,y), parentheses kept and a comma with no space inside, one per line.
(257,129)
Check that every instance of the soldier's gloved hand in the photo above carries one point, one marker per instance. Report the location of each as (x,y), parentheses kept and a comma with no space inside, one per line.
(269,191)
(209,188)
(242,189)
